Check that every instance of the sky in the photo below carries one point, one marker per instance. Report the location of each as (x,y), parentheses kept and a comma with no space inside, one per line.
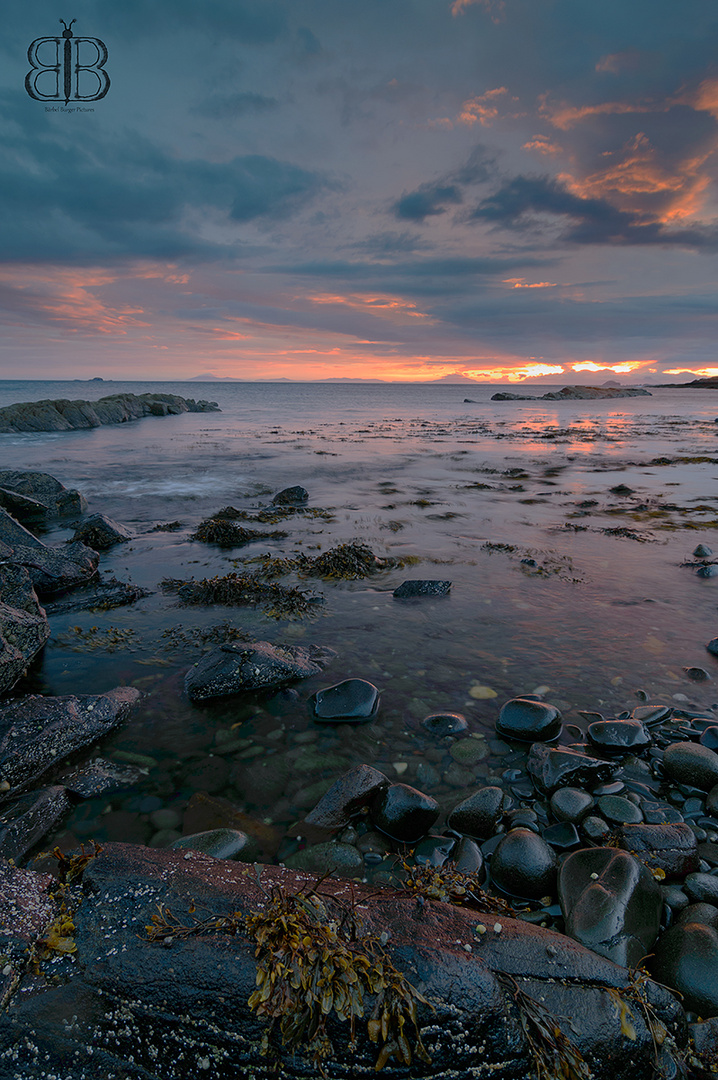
(397,189)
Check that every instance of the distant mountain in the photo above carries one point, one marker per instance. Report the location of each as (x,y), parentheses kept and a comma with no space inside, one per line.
(455,378)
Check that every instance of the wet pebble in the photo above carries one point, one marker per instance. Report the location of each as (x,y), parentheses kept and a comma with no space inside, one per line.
(571,804)
(691,763)
(469,751)
(618,736)
(701,888)
(353,700)
(444,723)
(618,811)
(329,858)
(220,843)
(524,865)
(529,720)
(404,813)
(480,814)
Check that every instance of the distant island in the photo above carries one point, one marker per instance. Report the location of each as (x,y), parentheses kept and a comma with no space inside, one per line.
(576,393)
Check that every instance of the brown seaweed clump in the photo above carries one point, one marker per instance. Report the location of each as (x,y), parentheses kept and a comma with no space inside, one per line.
(243,590)
(226,533)
(347,562)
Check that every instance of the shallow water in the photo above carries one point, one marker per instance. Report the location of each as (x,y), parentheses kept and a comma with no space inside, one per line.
(411,471)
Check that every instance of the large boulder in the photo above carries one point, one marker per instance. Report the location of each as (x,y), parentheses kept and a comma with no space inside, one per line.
(51,569)
(37,733)
(66,415)
(37,497)
(24,628)
(175,1007)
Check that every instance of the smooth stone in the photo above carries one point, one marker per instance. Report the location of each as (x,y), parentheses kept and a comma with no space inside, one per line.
(618,736)
(409,589)
(619,811)
(562,836)
(662,815)
(210,774)
(166,818)
(346,797)
(672,849)
(616,788)
(685,959)
(611,903)
(404,813)
(674,897)
(427,775)
(712,646)
(434,850)
(480,814)
(554,768)
(291,496)
(650,714)
(352,700)
(524,865)
(595,829)
(467,857)
(458,777)
(528,720)
(706,571)
(697,674)
(341,860)
(99,777)
(444,723)
(691,763)
(709,738)
(571,804)
(469,751)
(701,888)
(164,838)
(702,551)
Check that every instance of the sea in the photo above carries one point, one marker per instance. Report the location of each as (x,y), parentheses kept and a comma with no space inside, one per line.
(566,528)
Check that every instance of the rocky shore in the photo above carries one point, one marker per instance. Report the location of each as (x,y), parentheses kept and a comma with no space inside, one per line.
(66,415)
(564,919)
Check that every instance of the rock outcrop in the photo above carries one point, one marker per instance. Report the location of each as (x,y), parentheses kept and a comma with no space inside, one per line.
(66,415)
(121,1004)
(576,393)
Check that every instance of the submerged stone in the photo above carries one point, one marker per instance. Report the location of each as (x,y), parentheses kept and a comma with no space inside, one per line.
(238,666)
(444,723)
(409,589)
(352,700)
(220,843)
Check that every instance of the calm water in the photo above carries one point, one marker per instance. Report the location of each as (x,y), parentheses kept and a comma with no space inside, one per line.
(411,470)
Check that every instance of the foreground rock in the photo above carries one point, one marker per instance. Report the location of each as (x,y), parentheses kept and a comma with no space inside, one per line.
(65,415)
(576,393)
(36,733)
(100,532)
(171,1009)
(51,569)
(237,667)
(24,628)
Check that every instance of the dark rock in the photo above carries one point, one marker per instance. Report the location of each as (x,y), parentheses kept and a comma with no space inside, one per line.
(409,589)
(480,814)
(529,720)
(691,763)
(619,736)
(467,857)
(434,850)
(685,959)
(704,1044)
(595,829)
(352,700)
(64,415)
(571,804)
(674,897)
(709,738)
(651,714)
(93,1021)
(562,836)
(13,534)
(219,843)
(37,733)
(404,813)
(99,777)
(697,674)
(291,496)
(706,571)
(700,552)
(524,865)
(100,533)
(712,801)
(619,811)
(27,819)
(53,570)
(444,723)
(701,888)
(337,859)
(37,497)
(554,768)
(611,903)
(345,798)
(672,848)
(99,595)
(238,666)
(22,636)
(712,645)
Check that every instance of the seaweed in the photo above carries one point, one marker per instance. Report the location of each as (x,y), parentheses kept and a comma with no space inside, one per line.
(553,1052)
(451,886)
(347,562)
(242,590)
(310,967)
(168,526)
(271,515)
(226,533)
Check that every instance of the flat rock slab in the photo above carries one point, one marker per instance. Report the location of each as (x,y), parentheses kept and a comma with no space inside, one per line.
(26,820)
(238,667)
(37,496)
(53,570)
(22,635)
(67,415)
(126,1007)
(37,732)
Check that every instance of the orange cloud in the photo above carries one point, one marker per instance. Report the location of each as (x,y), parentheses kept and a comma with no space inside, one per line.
(483,109)
(619,369)
(515,374)
(703,99)
(522,283)
(543,145)
(566,116)
(635,181)
(386,306)
(699,373)
(71,298)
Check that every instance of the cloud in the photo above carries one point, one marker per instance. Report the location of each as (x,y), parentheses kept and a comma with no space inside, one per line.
(588,220)
(484,108)
(228,106)
(427,201)
(494,8)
